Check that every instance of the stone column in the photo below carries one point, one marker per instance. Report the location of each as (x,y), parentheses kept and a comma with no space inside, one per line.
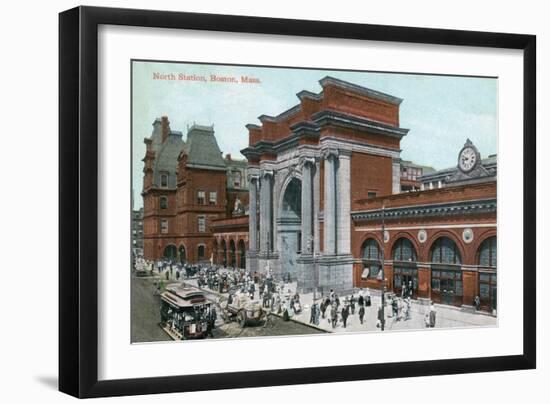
(343,203)
(316,208)
(396,176)
(331,157)
(266,242)
(253,215)
(307,207)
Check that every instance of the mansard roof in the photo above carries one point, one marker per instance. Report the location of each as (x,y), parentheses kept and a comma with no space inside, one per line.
(202,148)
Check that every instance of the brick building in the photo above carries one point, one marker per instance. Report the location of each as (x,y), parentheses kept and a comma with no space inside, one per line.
(137,231)
(331,208)
(187,185)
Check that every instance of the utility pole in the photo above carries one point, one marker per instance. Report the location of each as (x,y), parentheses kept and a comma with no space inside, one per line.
(383,284)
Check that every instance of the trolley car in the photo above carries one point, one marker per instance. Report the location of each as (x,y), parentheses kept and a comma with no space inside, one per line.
(184,312)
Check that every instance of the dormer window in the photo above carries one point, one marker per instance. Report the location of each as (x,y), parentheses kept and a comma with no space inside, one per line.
(164,180)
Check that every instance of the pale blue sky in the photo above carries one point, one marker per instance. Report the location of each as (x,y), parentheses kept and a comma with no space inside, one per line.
(440,111)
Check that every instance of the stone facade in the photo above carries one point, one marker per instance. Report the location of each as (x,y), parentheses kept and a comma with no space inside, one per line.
(317,144)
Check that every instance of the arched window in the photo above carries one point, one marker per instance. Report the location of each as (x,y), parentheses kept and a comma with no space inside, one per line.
(201,253)
(403,250)
(372,267)
(445,251)
(371,251)
(163,202)
(488,252)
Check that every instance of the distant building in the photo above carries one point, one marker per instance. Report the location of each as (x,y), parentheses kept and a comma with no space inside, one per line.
(410,175)
(137,231)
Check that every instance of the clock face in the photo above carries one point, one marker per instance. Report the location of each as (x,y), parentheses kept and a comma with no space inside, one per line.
(467,159)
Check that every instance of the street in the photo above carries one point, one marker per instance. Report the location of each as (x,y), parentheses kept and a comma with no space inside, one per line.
(146,317)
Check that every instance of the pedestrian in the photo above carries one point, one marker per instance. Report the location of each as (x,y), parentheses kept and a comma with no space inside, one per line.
(267,315)
(167,275)
(361,300)
(345,314)
(178,275)
(334,316)
(432,316)
(394,307)
(352,304)
(477,303)
(380,320)
(367,298)
(361,313)
(312,314)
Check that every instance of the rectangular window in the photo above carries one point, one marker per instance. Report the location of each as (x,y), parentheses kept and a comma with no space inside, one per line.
(213,198)
(164,226)
(202,224)
(371,194)
(201,198)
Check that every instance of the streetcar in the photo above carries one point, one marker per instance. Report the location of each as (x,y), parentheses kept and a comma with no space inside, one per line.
(184,312)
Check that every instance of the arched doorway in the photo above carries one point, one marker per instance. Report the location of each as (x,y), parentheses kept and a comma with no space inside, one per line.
(446,272)
(371,259)
(289,224)
(487,261)
(201,251)
(405,272)
(242,253)
(232,249)
(183,254)
(170,252)
(224,253)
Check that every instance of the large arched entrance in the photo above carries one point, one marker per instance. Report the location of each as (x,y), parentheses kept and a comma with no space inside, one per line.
(446,272)
(487,261)
(170,252)
(289,223)
(405,272)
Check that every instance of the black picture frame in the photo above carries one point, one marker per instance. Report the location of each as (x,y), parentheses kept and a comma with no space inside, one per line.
(78,196)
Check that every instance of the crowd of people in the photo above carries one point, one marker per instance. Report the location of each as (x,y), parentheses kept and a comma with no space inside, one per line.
(276,295)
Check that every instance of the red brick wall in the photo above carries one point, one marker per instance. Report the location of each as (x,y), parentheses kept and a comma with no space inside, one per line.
(369,173)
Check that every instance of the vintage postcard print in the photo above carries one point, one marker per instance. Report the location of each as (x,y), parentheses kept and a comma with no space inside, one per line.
(271,201)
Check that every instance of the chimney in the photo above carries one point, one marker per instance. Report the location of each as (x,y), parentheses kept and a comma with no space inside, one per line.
(165,128)
(228,156)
